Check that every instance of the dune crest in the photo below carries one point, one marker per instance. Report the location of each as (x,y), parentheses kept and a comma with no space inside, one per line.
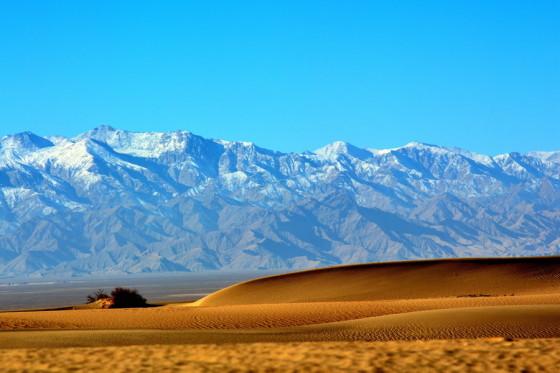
(399,280)
(437,299)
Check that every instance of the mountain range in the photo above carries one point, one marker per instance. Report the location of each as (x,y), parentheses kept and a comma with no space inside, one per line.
(114,202)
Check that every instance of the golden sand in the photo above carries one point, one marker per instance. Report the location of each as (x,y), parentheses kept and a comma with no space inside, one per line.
(540,355)
(350,317)
(250,316)
(399,280)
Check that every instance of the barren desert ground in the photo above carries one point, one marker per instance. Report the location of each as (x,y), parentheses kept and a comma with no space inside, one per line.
(528,355)
(443,315)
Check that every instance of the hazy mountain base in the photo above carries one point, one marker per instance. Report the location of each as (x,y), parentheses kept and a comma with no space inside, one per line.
(156,287)
(111,202)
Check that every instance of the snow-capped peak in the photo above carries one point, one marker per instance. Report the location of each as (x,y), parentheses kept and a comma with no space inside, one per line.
(23,143)
(553,157)
(411,145)
(337,148)
(480,158)
(25,139)
(141,144)
(82,205)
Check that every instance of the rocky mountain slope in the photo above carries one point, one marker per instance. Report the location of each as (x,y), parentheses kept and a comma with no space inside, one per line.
(111,201)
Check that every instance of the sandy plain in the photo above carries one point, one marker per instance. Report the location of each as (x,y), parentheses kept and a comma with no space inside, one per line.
(529,355)
(443,315)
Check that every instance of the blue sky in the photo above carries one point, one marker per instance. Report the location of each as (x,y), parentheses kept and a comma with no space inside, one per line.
(288,75)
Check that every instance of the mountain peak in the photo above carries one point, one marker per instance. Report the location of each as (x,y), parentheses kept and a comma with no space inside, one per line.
(23,143)
(337,148)
(98,133)
(141,144)
(104,128)
(419,144)
(553,156)
(209,204)
(416,145)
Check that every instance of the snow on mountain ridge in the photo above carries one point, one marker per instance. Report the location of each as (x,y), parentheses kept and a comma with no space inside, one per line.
(142,144)
(199,159)
(553,156)
(21,144)
(153,144)
(106,199)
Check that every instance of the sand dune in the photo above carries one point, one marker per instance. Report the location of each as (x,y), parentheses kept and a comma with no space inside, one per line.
(500,321)
(463,323)
(249,316)
(312,315)
(399,280)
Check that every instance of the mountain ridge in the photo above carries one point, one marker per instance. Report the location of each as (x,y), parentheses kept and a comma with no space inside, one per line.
(111,201)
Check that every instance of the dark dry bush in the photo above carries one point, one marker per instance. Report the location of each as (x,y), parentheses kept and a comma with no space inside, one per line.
(99,294)
(126,298)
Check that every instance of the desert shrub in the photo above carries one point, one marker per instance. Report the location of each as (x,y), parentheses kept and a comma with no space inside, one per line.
(99,294)
(125,298)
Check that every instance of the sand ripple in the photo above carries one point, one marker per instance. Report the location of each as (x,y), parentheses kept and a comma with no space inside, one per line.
(249,316)
(438,311)
(380,357)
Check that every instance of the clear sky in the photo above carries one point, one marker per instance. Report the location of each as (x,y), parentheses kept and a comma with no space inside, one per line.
(288,75)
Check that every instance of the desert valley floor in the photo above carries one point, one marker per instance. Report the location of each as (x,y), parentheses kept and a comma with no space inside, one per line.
(440,315)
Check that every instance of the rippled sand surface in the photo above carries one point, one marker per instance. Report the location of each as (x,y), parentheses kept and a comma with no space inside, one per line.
(535,355)
(250,316)
(481,315)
